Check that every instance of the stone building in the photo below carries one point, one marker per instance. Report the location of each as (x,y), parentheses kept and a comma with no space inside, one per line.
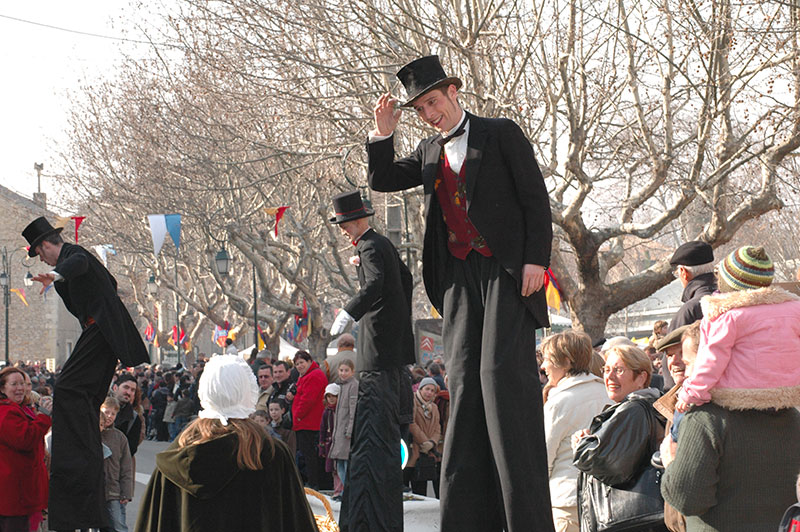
(44,330)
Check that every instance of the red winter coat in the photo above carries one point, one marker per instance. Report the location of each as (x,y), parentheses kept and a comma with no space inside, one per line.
(23,477)
(308,402)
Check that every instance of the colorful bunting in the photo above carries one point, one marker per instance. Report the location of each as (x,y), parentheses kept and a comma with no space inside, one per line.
(220,334)
(61,222)
(261,343)
(21,293)
(302,327)
(173,339)
(160,225)
(149,332)
(78,221)
(277,212)
(551,290)
(103,251)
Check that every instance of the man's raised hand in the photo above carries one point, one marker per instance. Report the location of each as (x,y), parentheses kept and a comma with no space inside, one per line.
(387,115)
(45,279)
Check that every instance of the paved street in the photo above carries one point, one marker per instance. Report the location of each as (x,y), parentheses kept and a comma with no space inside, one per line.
(145,463)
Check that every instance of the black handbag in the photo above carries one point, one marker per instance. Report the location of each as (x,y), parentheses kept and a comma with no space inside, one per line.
(633,506)
(425,468)
(636,506)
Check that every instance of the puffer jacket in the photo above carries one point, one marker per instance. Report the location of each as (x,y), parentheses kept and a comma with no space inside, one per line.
(748,353)
(308,403)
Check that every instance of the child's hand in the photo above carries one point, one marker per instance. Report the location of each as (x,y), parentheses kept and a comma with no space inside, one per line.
(681,406)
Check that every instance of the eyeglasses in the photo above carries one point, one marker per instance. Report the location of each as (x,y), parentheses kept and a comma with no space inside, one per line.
(619,371)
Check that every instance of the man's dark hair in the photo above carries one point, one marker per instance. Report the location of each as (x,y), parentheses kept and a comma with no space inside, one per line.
(54,239)
(126,377)
(435,369)
(265,366)
(282,363)
(302,354)
(228,341)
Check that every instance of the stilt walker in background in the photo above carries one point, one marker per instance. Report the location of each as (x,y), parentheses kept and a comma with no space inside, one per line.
(89,292)
(373,492)
(488,235)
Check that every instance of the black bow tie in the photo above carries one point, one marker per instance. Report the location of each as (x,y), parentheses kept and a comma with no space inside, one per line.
(458,132)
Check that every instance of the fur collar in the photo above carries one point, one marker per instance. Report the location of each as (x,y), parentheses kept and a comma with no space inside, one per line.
(718,304)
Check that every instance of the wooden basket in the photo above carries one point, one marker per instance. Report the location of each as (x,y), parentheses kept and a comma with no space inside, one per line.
(325,523)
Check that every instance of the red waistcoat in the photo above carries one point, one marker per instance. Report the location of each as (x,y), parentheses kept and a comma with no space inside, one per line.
(451,191)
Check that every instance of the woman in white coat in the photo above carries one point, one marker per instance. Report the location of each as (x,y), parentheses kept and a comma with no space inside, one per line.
(575,397)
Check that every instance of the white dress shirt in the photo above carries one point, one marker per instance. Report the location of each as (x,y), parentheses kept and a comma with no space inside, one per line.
(455,150)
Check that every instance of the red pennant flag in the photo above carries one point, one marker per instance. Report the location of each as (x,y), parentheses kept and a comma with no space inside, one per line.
(78,221)
(277,212)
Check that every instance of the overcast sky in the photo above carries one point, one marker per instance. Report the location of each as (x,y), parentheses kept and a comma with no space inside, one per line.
(39,65)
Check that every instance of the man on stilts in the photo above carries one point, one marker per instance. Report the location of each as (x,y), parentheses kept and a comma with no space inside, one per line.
(373,488)
(77,499)
(487,243)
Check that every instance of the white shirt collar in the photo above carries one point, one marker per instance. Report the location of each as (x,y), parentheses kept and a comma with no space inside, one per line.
(446,134)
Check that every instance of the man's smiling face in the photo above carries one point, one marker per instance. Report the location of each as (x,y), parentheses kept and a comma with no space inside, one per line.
(439,108)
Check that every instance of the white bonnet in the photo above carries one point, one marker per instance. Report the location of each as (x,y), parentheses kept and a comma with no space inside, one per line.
(227,389)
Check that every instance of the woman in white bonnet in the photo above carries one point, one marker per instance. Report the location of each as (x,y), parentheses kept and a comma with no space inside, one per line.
(224,472)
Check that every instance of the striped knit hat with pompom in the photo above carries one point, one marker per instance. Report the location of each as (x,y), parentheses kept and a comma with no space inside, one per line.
(747,268)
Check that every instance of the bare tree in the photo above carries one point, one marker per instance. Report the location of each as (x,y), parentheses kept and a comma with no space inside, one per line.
(654,122)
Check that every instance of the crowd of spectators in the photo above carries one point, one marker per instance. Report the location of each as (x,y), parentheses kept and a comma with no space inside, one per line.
(660,436)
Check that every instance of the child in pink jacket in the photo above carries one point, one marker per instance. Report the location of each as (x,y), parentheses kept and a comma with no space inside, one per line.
(749,354)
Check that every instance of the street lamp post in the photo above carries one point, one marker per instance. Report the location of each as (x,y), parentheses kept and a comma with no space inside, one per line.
(5,281)
(223,263)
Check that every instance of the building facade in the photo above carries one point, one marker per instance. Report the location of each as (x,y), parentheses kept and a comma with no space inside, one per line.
(43,330)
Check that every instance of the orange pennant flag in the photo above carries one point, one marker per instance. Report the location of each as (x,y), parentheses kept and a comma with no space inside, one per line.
(21,293)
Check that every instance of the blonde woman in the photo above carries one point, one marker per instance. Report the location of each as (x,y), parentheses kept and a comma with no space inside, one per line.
(575,397)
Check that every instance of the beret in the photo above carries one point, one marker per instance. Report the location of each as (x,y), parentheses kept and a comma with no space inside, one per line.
(692,254)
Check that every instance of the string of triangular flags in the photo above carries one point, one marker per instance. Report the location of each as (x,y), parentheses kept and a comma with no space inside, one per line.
(277,212)
(160,225)
(552,290)
(63,221)
(21,293)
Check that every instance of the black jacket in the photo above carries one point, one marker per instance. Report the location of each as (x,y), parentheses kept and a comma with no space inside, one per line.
(622,440)
(129,422)
(699,287)
(382,306)
(620,443)
(90,291)
(507,201)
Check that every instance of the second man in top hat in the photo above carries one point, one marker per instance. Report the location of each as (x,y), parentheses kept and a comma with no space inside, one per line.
(373,493)
(487,245)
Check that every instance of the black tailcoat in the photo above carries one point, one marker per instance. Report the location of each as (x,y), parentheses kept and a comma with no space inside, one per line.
(373,493)
(382,306)
(507,201)
(495,436)
(89,290)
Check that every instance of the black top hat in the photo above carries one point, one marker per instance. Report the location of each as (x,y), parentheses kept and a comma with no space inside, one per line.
(692,254)
(38,230)
(424,75)
(348,206)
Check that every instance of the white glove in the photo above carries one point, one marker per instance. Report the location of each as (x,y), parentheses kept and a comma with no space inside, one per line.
(341,322)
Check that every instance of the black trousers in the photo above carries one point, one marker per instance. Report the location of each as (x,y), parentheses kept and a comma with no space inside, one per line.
(307,444)
(77,498)
(494,470)
(373,491)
